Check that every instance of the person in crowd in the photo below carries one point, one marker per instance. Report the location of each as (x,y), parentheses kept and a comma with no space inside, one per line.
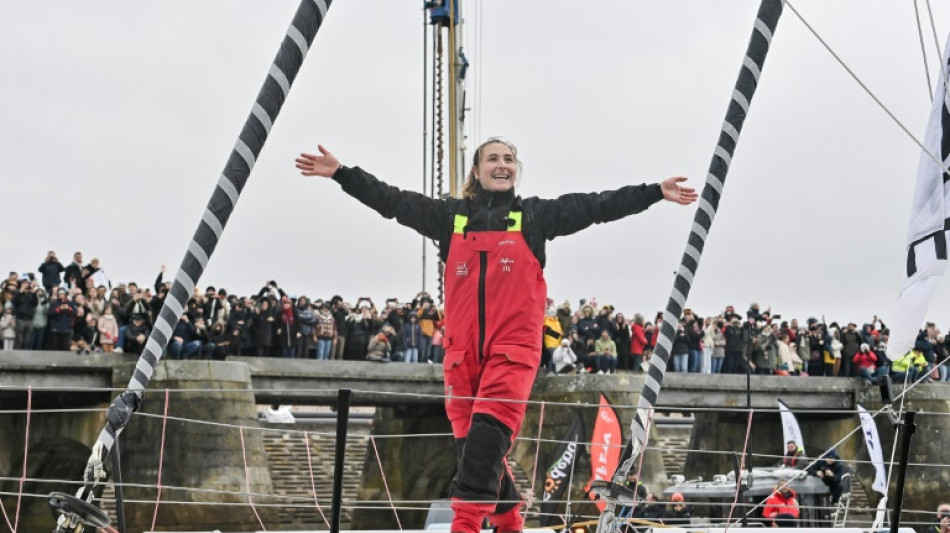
(793,455)
(362,327)
(239,329)
(325,331)
(908,367)
(263,326)
(288,329)
(832,357)
(637,488)
(940,350)
(866,364)
(428,315)
(784,365)
(40,321)
(51,271)
(605,350)
(622,340)
(733,363)
(108,328)
(462,226)
(379,347)
(411,335)
(340,311)
(8,327)
(307,321)
(564,315)
(765,349)
(219,342)
(73,272)
(694,339)
(438,339)
(781,507)
(829,469)
(136,334)
(678,513)
(552,337)
(942,523)
(61,316)
(95,302)
(816,343)
(186,342)
(638,342)
(563,358)
(680,349)
(87,338)
(581,350)
(212,308)
(650,510)
(82,311)
(24,307)
(850,344)
(717,342)
(925,344)
(587,323)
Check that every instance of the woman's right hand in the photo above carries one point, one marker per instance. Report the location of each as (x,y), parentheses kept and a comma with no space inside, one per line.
(325,164)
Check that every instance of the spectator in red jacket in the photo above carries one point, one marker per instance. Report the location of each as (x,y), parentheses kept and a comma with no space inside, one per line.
(867,365)
(638,342)
(782,508)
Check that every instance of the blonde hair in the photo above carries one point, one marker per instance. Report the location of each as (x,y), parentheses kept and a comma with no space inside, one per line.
(471,183)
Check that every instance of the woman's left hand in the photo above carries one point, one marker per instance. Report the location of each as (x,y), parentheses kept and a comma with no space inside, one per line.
(673,192)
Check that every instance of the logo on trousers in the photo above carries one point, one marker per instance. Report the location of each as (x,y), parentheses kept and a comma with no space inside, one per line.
(506,263)
(461,269)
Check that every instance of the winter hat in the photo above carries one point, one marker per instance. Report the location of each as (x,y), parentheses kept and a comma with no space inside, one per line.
(550,312)
(865,347)
(565,342)
(677,497)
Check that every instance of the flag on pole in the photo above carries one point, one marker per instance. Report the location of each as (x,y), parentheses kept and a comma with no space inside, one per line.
(790,430)
(558,478)
(605,447)
(929,221)
(875,452)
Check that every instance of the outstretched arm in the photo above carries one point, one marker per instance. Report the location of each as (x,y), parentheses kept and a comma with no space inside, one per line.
(419,212)
(571,213)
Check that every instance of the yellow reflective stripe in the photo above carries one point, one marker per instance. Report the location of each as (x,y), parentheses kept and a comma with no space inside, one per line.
(516,216)
(460,222)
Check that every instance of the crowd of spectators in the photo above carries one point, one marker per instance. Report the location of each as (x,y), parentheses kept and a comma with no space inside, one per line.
(75,307)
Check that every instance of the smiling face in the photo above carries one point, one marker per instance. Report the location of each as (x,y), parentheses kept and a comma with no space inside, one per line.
(497,167)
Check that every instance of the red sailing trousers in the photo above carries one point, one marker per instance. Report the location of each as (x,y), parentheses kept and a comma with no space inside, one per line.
(495,297)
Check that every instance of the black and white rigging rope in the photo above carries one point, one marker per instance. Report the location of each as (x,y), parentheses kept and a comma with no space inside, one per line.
(293,49)
(764,28)
(766,20)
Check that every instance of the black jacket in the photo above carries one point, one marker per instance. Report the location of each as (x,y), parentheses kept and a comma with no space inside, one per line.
(542,220)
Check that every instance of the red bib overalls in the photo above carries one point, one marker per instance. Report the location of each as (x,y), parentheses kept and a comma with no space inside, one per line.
(494,311)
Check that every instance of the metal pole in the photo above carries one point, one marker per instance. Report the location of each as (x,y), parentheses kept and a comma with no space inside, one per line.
(909,427)
(119,497)
(342,417)
(425,123)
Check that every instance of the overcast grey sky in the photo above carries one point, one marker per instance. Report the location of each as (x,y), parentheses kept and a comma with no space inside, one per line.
(118,118)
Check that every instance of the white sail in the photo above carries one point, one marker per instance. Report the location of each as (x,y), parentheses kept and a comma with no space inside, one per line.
(875,452)
(926,258)
(790,430)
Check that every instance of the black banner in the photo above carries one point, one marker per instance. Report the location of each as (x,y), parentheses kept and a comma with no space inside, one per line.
(559,474)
